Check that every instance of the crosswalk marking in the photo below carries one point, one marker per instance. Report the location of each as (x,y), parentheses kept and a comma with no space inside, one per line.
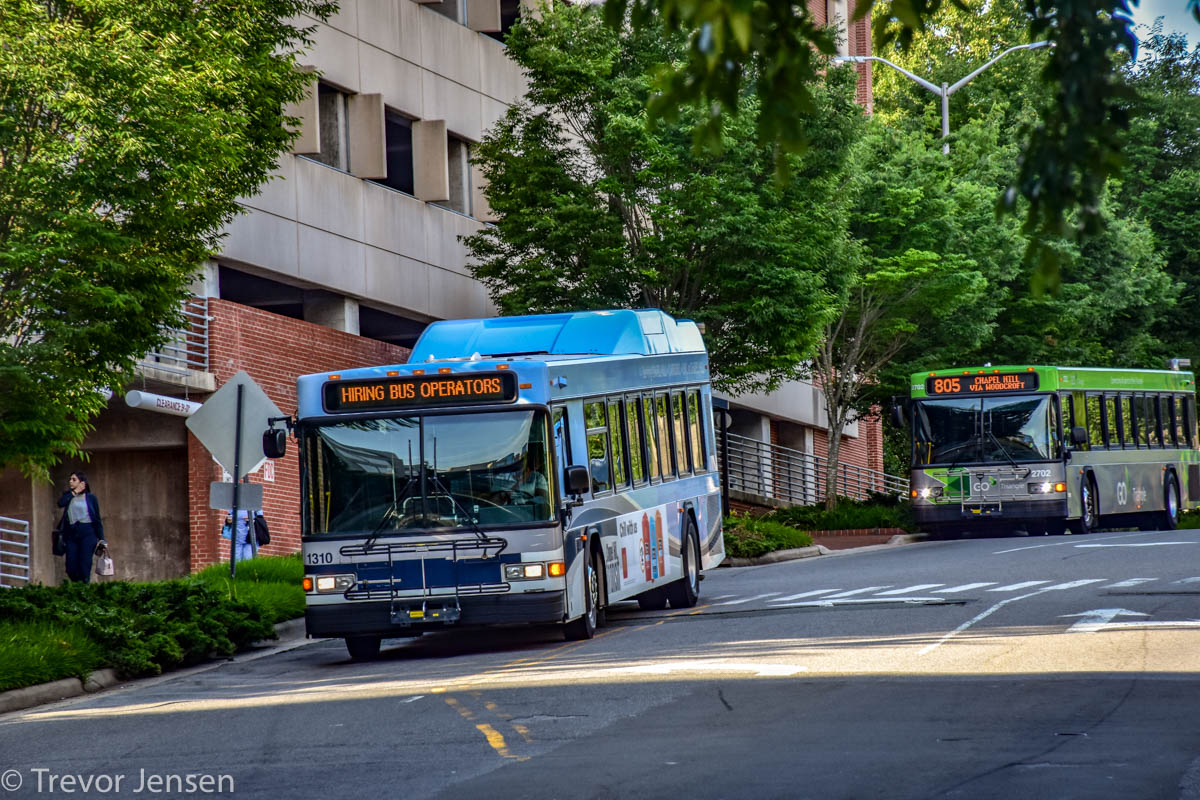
(747,599)
(1074,584)
(813,593)
(1127,583)
(966,587)
(1012,587)
(1189,580)
(858,591)
(920,587)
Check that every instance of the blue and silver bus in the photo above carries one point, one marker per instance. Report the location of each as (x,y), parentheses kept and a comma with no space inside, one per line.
(529,469)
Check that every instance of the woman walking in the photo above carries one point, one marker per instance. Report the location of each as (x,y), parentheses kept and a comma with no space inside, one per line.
(81,525)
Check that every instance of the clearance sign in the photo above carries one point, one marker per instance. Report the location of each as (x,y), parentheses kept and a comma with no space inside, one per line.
(420,391)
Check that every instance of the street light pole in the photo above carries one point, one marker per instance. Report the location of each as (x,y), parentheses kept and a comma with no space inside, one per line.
(945,90)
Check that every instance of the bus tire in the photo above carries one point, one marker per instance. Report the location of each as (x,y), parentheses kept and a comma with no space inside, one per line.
(585,627)
(1089,517)
(1169,520)
(363,648)
(653,600)
(684,592)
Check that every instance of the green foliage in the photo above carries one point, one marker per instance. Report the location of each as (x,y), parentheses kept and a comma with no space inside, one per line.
(599,207)
(39,652)
(128,130)
(878,512)
(1069,152)
(144,628)
(750,537)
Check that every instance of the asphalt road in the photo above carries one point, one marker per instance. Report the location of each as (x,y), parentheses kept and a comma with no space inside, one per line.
(1048,667)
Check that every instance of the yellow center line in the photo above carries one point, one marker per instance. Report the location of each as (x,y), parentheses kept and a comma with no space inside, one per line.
(460,708)
(496,740)
(521,729)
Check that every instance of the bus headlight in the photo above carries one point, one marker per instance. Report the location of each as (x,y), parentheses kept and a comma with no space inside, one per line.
(332,583)
(930,491)
(524,572)
(1047,488)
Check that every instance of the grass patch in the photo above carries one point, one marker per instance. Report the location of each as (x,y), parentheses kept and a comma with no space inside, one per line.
(53,632)
(878,512)
(1190,519)
(38,652)
(749,537)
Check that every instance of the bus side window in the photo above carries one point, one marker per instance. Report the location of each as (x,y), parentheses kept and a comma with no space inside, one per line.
(653,449)
(637,456)
(1112,434)
(1170,426)
(1126,421)
(662,418)
(562,441)
(617,437)
(1143,420)
(1094,420)
(1189,420)
(1153,424)
(597,446)
(680,430)
(699,461)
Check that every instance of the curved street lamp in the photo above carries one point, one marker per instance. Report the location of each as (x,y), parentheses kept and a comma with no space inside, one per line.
(945,90)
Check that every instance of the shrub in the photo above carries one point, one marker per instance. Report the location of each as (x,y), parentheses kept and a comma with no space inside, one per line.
(748,537)
(37,652)
(849,515)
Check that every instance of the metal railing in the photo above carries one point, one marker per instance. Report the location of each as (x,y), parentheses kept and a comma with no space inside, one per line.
(186,348)
(14,552)
(793,476)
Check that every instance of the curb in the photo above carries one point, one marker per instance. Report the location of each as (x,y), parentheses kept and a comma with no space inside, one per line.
(777,556)
(66,688)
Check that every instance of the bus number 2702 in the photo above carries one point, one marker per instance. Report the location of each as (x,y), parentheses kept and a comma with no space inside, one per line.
(318,558)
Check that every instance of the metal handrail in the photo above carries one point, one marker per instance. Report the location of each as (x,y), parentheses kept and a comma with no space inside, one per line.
(14,552)
(186,348)
(793,476)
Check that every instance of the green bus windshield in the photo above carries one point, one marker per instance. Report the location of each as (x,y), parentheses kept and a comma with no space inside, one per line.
(984,430)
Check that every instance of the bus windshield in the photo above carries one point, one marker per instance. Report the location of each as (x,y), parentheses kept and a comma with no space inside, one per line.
(420,472)
(983,430)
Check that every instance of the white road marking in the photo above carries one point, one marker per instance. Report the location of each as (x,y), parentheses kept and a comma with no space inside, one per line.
(762,670)
(1135,544)
(1128,583)
(1012,587)
(920,587)
(858,591)
(1097,618)
(826,602)
(813,593)
(1030,547)
(1188,580)
(413,699)
(966,587)
(1073,584)
(747,599)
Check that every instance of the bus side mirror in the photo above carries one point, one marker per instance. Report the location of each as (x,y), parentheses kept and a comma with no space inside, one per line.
(575,478)
(1079,435)
(897,411)
(275,443)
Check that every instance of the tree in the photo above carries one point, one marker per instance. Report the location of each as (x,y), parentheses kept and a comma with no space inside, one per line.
(597,208)
(128,130)
(1067,156)
(913,291)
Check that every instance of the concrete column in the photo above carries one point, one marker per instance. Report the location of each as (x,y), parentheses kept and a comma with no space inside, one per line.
(331,310)
(207,282)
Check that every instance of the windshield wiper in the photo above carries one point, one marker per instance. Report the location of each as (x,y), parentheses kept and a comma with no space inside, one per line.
(437,482)
(988,427)
(393,509)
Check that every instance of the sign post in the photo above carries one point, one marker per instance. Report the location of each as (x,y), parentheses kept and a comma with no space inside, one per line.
(247,404)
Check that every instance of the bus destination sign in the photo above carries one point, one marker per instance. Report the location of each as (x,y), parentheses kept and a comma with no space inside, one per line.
(420,391)
(982,384)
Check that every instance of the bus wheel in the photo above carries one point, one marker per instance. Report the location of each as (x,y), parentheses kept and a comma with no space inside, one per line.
(1170,515)
(1090,516)
(362,648)
(684,592)
(585,627)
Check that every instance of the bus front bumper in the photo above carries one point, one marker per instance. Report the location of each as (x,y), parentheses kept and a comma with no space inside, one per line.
(957,514)
(377,617)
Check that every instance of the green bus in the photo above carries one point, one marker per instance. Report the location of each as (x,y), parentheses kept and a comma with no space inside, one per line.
(1051,449)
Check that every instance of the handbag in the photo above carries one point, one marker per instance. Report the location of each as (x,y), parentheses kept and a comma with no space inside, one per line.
(262,535)
(58,541)
(104,563)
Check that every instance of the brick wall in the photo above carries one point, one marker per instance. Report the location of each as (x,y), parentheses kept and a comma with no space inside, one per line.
(274,351)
